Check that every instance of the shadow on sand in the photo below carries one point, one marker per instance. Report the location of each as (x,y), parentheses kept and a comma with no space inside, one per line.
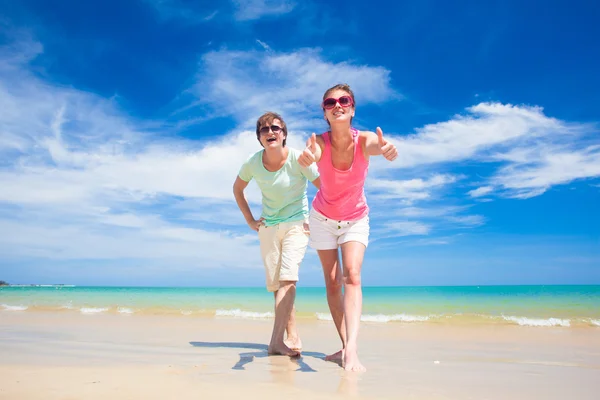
(248,357)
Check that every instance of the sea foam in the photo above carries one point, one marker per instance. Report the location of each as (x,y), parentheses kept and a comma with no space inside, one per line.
(524,321)
(595,322)
(237,313)
(395,317)
(124,310)
(324,316)
(380,317)
(14,308)
(93,310)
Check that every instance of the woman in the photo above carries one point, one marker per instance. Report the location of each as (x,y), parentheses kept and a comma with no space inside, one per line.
(339,218)
(282,228)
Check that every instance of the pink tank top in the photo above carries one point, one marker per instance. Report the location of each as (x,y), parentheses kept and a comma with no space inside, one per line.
(342,195)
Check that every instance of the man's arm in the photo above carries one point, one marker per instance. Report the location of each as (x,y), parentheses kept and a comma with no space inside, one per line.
(238,192)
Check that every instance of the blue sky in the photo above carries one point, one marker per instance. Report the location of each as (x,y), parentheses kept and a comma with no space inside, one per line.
(123,125)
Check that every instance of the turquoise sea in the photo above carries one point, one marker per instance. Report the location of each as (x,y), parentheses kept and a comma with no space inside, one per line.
(544,306)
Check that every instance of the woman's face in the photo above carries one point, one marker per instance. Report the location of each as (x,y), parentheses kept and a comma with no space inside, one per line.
(339,107)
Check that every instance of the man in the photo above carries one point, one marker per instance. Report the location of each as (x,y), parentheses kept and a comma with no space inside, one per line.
(282,228)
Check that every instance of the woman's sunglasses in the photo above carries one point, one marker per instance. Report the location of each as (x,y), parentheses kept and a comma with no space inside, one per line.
(265,129)
(345,101)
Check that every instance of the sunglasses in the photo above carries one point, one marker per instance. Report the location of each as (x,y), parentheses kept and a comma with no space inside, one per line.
(274,128)
(344,101)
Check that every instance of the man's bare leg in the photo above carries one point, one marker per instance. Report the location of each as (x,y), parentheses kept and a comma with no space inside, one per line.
(284,301)
(352,259)
(293,339)
(333,283)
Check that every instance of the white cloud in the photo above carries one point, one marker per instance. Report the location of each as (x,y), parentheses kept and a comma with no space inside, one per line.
(428,219)
(263,45)
(20,49)
(548,166)
(126,239)
(408,190)
(246,84)
(486,126)
(82,180)
(534,151)
(247,10)
(480,191)
(430,212)
(467,220)
(403,228)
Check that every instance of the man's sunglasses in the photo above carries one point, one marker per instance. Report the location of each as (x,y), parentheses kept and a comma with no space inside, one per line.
(345,101)
(265,129)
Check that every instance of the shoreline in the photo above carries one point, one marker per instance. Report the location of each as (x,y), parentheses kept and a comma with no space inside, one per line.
(64,355)
(465,319)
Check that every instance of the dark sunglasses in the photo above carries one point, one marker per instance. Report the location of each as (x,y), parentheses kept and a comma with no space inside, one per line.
(345,101)
(265,129)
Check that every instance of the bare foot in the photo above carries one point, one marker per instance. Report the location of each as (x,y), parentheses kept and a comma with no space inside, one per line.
(336,357)
(351,362)
(282,350)
(293,343)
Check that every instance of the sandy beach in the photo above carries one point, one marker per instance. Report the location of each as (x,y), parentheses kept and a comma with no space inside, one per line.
(53,355)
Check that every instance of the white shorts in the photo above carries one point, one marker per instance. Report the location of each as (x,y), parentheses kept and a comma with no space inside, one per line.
(282,248)
(328,234)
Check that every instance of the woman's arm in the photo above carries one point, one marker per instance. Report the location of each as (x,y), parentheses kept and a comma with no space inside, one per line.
(376,145)
(313,151)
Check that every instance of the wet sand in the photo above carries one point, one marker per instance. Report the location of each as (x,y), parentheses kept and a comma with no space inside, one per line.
(49,355)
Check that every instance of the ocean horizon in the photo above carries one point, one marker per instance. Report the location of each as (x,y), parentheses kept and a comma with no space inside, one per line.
(573,306)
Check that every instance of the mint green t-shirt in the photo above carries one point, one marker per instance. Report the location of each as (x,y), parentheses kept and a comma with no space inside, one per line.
(283,191)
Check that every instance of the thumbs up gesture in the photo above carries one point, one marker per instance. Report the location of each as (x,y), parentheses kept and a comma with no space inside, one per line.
(308,155)
(388,150)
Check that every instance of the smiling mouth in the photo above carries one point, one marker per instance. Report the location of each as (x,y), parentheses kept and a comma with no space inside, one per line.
(270,140)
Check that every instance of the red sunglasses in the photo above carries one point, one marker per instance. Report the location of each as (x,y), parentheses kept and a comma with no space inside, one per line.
(344,101)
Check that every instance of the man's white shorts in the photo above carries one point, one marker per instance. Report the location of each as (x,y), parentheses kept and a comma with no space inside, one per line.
(282,248)
(328,234)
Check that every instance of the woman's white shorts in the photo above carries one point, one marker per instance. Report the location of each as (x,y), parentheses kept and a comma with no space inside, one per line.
(328,234)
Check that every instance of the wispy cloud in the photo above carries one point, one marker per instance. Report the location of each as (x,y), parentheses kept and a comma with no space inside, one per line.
(467,220)
(403,228)
(408,190)
(211,15)
(243,10)
(430,212)
(533,152)
(547,165)
(247,10)
(82,180)
(263,45)
(244,84)
(426,219)
(480,191)
(181,10)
